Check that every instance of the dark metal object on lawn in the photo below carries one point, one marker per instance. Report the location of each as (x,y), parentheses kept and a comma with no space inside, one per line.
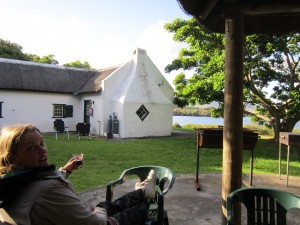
(213,138)
(287,138)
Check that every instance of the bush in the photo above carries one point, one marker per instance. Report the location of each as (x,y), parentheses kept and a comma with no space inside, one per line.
(196,126)
(176,125)
(264,131)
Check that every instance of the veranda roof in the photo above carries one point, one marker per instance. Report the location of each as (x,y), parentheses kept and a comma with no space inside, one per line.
(260,16)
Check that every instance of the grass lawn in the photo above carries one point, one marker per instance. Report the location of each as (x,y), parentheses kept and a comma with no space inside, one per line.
(105,159)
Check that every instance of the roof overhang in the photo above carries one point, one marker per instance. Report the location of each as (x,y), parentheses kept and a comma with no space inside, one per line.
(260,16)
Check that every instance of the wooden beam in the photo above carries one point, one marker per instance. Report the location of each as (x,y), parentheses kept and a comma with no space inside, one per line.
(207,9)
(257,8)
(233,110)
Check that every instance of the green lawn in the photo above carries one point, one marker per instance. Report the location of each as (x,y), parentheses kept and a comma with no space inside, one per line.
(105,159)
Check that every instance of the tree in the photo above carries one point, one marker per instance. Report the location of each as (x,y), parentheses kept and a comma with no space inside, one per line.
(14,51)
(271,77)
(47,59)
(33,57)
(79,64)
(11,50)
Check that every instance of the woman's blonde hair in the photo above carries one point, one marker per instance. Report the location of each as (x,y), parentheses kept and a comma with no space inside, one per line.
(10,137)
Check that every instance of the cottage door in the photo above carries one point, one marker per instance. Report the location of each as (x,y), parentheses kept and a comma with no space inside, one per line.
(87,111)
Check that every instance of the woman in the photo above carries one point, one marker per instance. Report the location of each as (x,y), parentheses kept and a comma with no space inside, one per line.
(33,192)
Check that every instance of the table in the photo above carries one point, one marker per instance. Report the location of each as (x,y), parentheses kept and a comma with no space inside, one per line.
(287,138)
(213,138)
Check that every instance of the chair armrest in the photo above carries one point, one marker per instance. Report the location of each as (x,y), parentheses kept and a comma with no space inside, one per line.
(165,191)
(160,207)
(230,211)
(229,220)
(116,182)
(168,188)
(110,186)
(229,216)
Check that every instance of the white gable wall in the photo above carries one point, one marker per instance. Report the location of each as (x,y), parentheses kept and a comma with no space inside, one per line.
(143,85)
(111,85)
(157,123)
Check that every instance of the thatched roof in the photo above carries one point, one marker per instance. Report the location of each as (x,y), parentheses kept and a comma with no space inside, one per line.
(260,16)
(30,76)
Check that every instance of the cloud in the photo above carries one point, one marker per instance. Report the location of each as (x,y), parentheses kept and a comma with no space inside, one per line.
(60,36)
(108,50)
(69,38)
(160,46)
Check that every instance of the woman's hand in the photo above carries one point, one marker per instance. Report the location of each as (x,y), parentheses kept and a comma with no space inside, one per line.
(74,163)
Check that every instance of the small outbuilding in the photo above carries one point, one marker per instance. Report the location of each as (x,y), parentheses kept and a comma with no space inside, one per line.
(129,100)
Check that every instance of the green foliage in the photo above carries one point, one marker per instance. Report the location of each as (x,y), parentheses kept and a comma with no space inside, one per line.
(176,125)
(11,50)
(192,111)
(79,64)
(197,58)
(261,130)
(271,73)
(14,51)
(33,57)
(47,59)
(197,126)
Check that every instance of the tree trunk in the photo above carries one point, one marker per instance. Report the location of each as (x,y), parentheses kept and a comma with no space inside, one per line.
(284,126)
(276,127)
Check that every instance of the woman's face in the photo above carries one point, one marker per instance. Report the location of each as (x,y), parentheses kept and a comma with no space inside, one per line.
(31,151)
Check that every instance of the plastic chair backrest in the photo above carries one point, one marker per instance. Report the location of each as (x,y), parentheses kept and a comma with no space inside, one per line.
(59,125)
(83,128)
(265,206)
(165,182)
(163,174)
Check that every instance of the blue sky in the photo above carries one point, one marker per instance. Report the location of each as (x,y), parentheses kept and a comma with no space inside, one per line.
(104,33)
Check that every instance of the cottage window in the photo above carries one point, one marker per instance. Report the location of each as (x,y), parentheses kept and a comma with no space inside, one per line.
(62,110)
(142,112)
(1,110)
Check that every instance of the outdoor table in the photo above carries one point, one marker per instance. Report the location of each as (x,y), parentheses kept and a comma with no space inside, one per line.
(213,138)
(287,138)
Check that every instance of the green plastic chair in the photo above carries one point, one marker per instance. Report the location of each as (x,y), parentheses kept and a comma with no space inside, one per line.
(265,206)
(165,179)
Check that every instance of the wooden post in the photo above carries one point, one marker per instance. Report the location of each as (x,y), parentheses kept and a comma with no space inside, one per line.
(233,110)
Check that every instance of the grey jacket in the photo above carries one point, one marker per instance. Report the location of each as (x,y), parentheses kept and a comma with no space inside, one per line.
(50,199)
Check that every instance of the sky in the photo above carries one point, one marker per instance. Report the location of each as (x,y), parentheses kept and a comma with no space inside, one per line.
(103,33)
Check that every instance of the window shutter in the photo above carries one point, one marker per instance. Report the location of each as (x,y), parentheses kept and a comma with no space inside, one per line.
(69,111)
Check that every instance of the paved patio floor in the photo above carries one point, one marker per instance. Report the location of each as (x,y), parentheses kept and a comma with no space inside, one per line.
(187,206)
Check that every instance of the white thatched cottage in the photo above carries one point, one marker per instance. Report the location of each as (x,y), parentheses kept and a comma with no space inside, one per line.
(131,100)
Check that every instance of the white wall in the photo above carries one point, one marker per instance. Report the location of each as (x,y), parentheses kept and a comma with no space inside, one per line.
(37,108)
(142,85)
(111,86)
(157,123)
(97,119)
